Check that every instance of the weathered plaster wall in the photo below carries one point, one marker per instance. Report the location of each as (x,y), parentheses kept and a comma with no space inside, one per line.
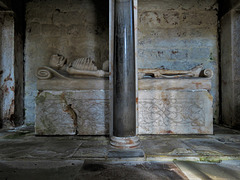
(7,78)
(74,28)
(11,67)
(11,63)
(179,34)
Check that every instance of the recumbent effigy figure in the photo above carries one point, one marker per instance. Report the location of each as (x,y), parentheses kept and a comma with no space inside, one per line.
(197,71)
(60,67)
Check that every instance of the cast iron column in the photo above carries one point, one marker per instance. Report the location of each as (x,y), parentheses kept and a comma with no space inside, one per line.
(124,85)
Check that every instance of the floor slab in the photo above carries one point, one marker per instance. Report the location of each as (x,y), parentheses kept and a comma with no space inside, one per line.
(23,144)
(229,170)
(89,170)
(26,156)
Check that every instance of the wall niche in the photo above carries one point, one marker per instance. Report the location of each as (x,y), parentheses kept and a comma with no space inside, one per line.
(74,29)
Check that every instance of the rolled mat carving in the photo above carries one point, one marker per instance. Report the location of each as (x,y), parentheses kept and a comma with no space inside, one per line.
(207,73)
(44,73)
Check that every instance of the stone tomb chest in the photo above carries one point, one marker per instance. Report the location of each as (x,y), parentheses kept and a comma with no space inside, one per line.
(70,106)
(175,106)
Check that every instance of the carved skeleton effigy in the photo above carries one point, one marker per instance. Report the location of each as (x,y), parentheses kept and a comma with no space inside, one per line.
(60,68)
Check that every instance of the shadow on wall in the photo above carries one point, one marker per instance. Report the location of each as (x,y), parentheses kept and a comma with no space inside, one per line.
(101,30)
(102,26)
(1,75)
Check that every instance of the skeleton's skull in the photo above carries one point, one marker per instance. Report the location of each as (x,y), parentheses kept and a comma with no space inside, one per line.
(57,61)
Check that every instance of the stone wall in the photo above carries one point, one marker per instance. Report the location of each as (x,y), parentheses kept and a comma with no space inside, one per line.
(7,78)
(179,34)
(75,28)
(11,63)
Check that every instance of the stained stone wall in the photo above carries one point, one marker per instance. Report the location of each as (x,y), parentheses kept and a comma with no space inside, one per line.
(179,34)
(7,78)
(11,64)
(75,28)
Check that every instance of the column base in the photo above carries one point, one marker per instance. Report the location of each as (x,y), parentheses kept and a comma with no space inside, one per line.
(125,142)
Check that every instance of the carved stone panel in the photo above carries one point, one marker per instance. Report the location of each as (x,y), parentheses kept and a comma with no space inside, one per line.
(175,112)
(93,116)
(84,112)
(52,115)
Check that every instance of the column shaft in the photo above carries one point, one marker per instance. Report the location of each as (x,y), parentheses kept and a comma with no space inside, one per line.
(124,102)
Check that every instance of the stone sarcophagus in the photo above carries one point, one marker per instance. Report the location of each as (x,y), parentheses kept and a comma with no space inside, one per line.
(72,112)
(174,103)
(72,98)
(175,106)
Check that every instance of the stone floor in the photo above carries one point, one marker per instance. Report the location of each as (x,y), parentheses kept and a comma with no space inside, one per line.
(25,156)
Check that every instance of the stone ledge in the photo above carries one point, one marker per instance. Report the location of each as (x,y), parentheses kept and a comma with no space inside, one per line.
(74,84)
(143,84)
(175,84)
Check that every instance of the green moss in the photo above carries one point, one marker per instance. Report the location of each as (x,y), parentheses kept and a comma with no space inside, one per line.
(49,127)
(211,159)
(15,135)
(29,124)
(40,99)
(211,58)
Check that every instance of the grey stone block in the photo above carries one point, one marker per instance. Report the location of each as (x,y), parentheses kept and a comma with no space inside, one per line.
(171,19)
(178,54)
(200,54)
(72,112)
(34,28)
(199,18)
(70,18)
(175,112)
(53,117)
(51,30)
(126,153)
(178,5)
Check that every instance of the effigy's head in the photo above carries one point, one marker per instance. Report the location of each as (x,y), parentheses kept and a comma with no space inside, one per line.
(57,61)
